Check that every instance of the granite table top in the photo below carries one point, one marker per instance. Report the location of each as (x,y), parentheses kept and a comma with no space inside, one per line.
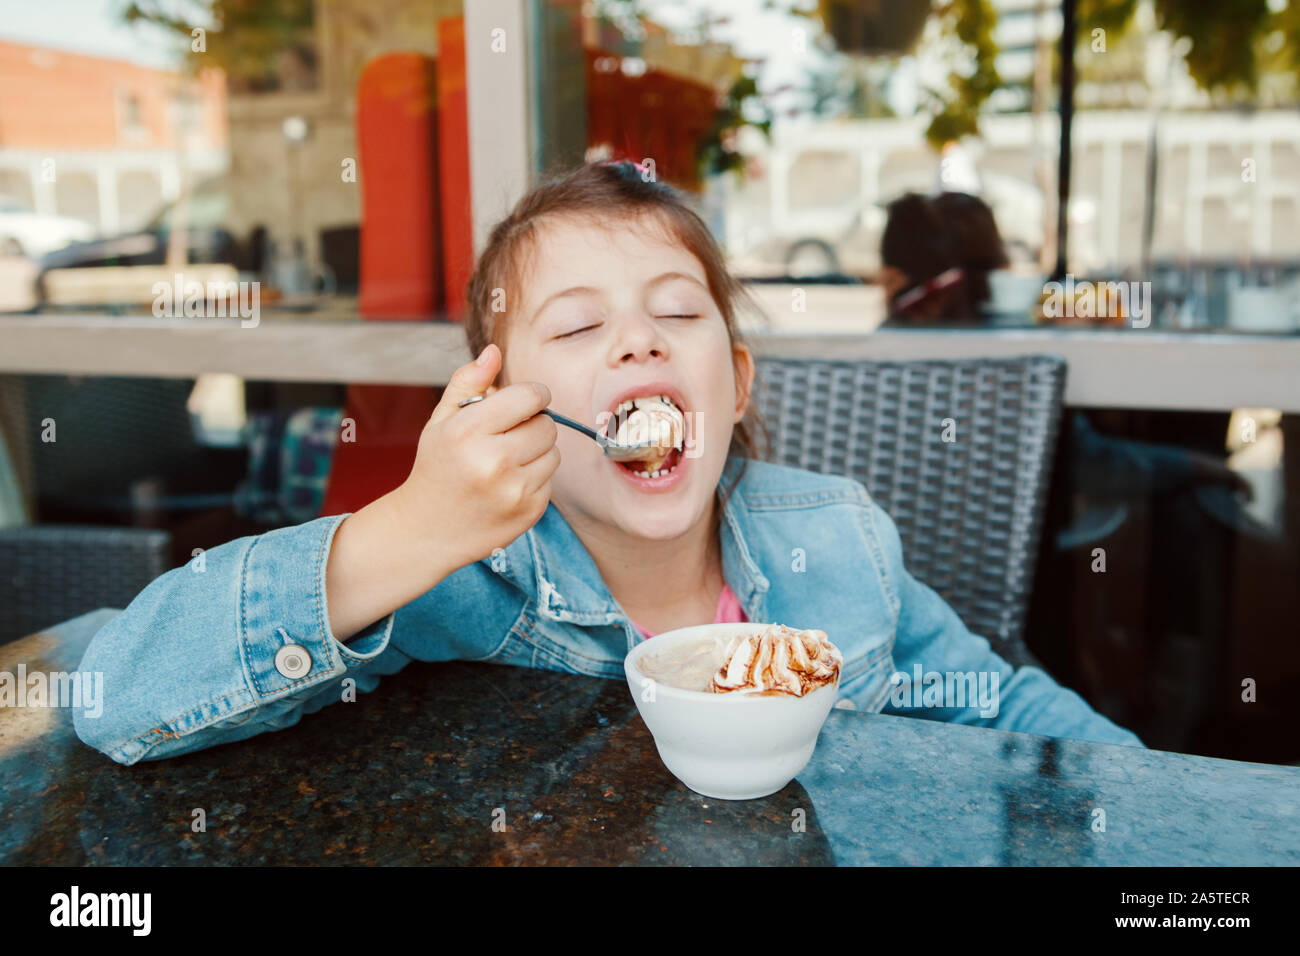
(465,764)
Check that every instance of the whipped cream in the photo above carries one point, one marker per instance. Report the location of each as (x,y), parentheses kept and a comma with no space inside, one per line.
(653,421)
(777,660)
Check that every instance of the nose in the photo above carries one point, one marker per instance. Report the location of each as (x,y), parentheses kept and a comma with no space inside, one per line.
(639,338)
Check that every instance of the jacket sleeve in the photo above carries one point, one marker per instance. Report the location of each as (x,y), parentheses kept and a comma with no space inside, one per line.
(192,661)
(931,638)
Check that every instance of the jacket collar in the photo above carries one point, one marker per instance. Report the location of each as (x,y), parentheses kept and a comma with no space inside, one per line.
(550,562)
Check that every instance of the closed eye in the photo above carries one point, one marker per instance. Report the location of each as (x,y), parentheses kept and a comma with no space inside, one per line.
(575,331)
(679,316)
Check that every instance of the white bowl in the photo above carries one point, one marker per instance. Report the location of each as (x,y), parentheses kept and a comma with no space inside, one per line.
(728,746)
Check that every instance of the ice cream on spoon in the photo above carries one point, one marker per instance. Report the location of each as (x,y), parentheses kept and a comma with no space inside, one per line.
(655,419)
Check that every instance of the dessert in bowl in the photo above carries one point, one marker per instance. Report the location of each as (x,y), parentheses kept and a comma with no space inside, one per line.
(735,709)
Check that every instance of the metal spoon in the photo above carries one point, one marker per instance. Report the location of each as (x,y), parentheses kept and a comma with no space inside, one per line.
(613,450)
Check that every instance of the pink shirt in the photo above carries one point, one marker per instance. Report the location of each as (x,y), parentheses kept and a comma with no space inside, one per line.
(729,611)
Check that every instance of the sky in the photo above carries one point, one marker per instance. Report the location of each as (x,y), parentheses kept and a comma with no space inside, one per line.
(90,26)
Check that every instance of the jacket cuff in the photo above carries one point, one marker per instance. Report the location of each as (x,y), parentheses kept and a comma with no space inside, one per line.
(285,639)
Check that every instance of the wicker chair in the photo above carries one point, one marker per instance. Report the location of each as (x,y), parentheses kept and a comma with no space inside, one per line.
(49,573)
(969,510)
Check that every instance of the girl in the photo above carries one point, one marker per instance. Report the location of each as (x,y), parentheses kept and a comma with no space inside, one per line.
(517,542)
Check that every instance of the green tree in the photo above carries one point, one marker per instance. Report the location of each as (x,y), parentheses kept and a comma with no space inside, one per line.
(1232,42)
(955,111)
(250,41)
(967,25)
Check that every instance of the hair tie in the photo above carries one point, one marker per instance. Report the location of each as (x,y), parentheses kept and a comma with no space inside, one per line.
(640,167)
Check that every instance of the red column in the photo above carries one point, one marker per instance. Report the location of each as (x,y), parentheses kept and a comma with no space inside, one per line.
(401,268)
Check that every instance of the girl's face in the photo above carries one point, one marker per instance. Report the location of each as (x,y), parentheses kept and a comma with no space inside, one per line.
(608,313)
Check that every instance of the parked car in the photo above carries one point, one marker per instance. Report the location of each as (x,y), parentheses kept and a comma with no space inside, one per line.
(131,260)
(205,211)
(24,232)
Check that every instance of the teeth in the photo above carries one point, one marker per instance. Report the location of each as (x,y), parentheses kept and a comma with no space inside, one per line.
(628,404)
(657,473)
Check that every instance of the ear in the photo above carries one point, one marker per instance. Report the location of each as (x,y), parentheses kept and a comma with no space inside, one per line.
(743,360)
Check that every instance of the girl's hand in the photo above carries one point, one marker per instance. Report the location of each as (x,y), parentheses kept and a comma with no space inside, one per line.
(482,473)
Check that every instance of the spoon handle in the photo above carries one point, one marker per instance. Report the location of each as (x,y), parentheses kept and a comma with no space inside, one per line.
(572,424)
(611,448)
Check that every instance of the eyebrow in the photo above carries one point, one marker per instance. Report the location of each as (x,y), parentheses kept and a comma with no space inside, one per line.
(579,290)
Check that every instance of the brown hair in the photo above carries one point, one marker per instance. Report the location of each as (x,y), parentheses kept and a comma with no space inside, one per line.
(917,243)
(599,193)
(979,244)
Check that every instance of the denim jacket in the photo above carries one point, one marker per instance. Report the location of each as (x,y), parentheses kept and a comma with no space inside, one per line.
(237,641)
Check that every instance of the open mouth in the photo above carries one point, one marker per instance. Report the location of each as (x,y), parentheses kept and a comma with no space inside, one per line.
(650,418)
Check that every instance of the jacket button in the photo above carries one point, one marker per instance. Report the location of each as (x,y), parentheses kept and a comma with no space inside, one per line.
(292,661)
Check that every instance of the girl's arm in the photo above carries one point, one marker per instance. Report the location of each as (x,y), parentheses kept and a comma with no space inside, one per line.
(225,647)
(252,634)
(376,565)
(929,634)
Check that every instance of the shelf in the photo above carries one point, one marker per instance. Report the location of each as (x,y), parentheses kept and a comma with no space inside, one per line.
(1118,369)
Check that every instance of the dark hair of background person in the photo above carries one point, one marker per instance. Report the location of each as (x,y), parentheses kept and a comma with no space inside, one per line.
(918,243)
(979,244)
